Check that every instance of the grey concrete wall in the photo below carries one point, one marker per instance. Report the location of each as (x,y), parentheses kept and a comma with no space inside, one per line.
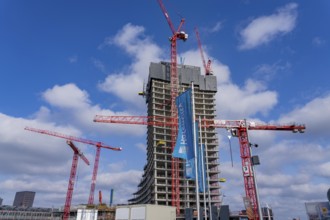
(186,74)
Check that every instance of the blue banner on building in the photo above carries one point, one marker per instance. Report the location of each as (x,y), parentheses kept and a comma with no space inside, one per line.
(180,149)
(184,147)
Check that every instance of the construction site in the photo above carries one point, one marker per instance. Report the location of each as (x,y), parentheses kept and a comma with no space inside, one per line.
(164,191)
(158,185)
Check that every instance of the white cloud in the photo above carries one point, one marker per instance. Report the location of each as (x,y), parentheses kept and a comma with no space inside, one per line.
(70,103)
(116,167)
(48,191)
(280,179)
(124,184)
(254,98)
(73,59)
(220,70)
(99,65)
(33,149)
(128,82)
(142,147)
(217,27)
(211,29)
(264,29)
(66,96)
(27,183)
(323,169)
(267,72)
(318,41)
(118,84)
(313,115)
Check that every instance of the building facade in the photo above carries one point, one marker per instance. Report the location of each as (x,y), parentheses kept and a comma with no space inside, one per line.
(155,186)
(24,199)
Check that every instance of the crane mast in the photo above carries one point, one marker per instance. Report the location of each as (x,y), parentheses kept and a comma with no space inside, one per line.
(95,169)
(174,82)
(76,153)
(98,146)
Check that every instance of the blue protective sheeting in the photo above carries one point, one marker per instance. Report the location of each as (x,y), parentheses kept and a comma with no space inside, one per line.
(184,147)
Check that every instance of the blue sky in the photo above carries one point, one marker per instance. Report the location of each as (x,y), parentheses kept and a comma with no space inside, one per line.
(63,62)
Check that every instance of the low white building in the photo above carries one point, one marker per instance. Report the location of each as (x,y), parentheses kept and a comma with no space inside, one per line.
(145,212)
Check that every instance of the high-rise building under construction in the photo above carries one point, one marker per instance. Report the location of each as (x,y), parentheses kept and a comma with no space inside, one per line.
(156,183)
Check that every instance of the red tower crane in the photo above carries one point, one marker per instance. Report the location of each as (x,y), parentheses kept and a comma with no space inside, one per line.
(174,82)
(238,127)
(207,67)
(76,153)
(73,172)
(98,146)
